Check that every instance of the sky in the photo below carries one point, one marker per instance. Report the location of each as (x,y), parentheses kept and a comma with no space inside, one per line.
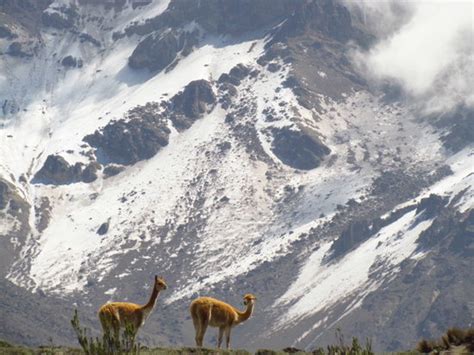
(426,47)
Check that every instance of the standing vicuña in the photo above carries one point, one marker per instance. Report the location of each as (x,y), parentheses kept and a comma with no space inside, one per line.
(115,315)
(207,311)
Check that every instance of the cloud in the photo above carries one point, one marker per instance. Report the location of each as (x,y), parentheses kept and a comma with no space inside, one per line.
(429,51)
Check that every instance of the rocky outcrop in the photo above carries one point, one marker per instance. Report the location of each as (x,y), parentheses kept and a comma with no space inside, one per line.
(57,171)
(327,17)
(6,32)
(16,49)
(112,170)
(144,130)
(140,136)
(458,125)
(190,104)
(239,17)
(354,234)
(71,62)
(89,173)
(156,52)
(10,201)
(431,205)
(4,194)
(24,14)
(450,230)
(236,74)
(85,37)
(297,149)
(63,17)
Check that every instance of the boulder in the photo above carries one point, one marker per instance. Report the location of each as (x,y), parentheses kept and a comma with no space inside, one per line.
(104,228)
(57,171)
(71,62)
(190,104)
(297,149)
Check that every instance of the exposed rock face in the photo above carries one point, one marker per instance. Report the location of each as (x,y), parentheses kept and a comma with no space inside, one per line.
(113,169)
(4,192)
(139,137)
(16,50)
(26,13)
(459,125)
(190,104)
(219,16)
(297,149)
(85,37)
(89,174)
(238,17)
(431,205)
(71,62)
(6,32)
(56,170)
(235,75)
(156,52)
(62,18)
(355,233)
(450,229)
(327,17)
(11,202)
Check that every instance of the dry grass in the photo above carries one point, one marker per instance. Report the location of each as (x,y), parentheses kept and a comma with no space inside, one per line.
(454,341)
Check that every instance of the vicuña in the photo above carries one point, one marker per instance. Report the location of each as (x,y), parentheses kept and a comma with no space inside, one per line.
(116,315)
(208,311)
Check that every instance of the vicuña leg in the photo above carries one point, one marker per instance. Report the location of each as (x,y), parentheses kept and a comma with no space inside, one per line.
(221,335)
(227,336)
(202,330)
(197,329)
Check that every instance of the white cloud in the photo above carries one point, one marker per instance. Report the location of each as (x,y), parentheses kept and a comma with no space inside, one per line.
(431,54)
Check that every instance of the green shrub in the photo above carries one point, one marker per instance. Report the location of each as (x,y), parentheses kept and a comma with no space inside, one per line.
(342,349)
(108,345)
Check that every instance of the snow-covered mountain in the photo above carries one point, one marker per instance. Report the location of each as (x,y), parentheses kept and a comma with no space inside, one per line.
(232,147)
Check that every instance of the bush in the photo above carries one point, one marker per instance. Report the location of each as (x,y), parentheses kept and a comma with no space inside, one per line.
(108,345)
(341,349)
(453,337)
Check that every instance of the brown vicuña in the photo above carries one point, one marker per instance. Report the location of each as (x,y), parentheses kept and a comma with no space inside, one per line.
(116,315)
(207,311)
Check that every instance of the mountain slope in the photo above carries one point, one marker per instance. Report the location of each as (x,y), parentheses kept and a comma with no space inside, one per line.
(231,147)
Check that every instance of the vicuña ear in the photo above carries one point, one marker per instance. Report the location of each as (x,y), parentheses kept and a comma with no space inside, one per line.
(156,277)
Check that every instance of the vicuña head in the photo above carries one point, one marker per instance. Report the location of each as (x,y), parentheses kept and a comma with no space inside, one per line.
(116,315)
(208,311)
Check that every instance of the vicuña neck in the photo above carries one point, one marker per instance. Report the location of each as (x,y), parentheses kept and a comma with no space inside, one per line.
(243,316)
(152,301)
